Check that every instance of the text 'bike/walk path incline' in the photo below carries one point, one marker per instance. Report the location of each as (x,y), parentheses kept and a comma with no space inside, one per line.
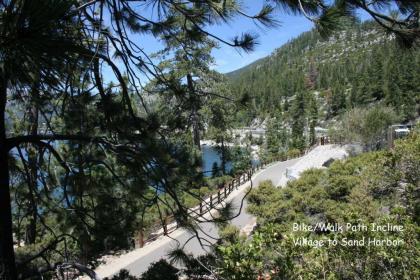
(138,260)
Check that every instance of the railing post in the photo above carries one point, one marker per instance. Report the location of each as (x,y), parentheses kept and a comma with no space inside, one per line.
(141,238)
(225,192)
(218,197)
(165,226)
(201,207)
(211,201)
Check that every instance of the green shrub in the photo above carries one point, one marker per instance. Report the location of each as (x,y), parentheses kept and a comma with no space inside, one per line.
(293,153)
(160,270)
(123,275)
(376,187)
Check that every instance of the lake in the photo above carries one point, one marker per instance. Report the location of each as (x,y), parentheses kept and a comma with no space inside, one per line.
(210,156)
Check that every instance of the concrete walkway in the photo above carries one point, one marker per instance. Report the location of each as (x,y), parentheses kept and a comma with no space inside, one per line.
(138,260)
(314,159)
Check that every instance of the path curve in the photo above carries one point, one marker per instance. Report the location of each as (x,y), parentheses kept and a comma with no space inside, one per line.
(138,260)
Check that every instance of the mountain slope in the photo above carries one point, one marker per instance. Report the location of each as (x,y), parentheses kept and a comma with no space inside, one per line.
(355,67)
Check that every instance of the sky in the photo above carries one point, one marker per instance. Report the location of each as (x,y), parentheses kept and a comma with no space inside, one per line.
(227,58)
(291,26)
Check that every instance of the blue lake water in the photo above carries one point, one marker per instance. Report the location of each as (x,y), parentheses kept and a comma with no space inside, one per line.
(210,156)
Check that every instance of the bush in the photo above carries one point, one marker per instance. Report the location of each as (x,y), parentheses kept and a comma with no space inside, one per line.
(229,233)
(160,270)
(376,187)
(366,125)
(293,153)
(191,201)
(218,181)
(123,275)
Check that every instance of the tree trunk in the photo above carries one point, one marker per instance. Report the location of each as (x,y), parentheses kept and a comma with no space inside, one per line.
(33,172)
(195,119)
(141,237)
(7,256)
(223,156)
(196,131)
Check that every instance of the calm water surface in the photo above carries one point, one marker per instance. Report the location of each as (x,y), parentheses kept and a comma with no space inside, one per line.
(210,156)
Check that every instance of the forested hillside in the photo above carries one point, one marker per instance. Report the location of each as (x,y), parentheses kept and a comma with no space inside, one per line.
(355,67)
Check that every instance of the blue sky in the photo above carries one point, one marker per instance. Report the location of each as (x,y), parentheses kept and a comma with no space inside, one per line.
(228,58)
(291,26)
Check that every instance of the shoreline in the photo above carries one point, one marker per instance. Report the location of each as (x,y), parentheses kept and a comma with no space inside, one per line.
(255,149)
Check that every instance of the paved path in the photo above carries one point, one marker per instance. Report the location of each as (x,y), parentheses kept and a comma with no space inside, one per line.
(137,261)
(314,159)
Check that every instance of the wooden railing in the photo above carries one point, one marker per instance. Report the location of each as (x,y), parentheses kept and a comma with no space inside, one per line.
(208,203)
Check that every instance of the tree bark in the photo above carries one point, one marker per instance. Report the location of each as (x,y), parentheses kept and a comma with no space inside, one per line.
(33,171)
(223,156)
(195,119)
(7,256)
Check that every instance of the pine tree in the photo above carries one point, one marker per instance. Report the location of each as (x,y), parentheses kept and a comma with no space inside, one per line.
(312,118)
(215,170)
(298,122)
(218,113)
(67,47)
(338,102)
(272,137)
